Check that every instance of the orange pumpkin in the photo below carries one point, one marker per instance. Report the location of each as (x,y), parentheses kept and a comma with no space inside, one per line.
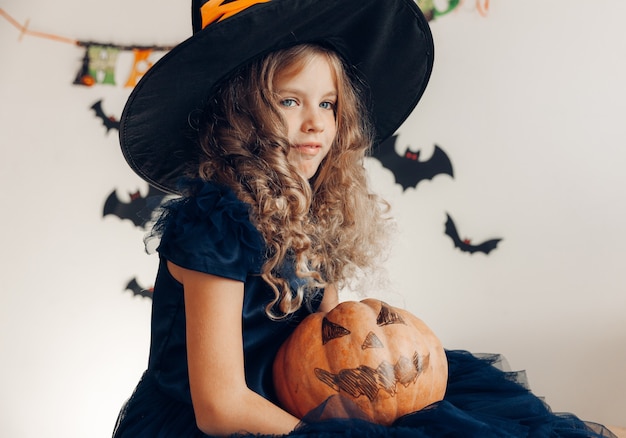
(384,359)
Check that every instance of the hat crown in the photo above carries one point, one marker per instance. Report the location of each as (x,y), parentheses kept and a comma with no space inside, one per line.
(205,12)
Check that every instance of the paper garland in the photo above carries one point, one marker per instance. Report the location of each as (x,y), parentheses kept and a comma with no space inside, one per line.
(100,59)
(431,11)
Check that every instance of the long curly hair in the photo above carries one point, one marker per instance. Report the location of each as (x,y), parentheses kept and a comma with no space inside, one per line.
(332,227)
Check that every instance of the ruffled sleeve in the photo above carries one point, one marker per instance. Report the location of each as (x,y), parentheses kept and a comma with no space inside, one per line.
(211,232)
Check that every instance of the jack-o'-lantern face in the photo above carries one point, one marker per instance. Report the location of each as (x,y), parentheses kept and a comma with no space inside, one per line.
(385,359)
(366,380)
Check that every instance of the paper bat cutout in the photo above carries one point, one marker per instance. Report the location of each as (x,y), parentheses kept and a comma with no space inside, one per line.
(136,289)
(368,381)
(408,169)
(109,122)
(139,210)
(465,244)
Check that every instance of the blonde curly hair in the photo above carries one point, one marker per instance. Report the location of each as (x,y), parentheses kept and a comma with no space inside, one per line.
(332,225)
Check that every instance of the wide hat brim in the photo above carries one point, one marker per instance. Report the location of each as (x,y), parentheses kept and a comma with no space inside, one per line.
(387,42)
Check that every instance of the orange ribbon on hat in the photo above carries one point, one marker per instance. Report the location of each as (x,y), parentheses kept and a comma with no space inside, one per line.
(216,10)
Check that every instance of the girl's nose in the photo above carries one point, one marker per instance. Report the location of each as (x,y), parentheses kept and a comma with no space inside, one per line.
(312,122)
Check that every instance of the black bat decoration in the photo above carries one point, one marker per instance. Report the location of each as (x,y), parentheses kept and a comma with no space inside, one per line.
(136,289)
(138,210)
(109,122)
(465,244)
(408,169)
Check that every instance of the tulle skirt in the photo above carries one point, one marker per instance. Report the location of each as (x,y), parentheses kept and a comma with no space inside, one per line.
(482,400)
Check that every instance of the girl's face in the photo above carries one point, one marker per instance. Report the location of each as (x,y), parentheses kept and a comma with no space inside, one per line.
(307,101)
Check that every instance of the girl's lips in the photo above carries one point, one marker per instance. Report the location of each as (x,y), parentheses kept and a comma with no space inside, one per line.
(308,148)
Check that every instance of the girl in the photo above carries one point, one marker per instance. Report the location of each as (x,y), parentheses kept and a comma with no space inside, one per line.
(264,113)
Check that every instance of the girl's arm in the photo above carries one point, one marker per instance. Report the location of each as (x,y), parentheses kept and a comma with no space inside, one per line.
(222,402)
(330,300)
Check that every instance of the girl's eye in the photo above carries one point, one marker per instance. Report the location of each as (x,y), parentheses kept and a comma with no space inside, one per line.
(288,102)
(327,105)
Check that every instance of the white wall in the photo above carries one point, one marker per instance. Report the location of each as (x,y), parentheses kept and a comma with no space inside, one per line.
(529,104)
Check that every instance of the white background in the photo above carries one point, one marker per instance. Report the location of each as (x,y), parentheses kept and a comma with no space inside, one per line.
(529,102)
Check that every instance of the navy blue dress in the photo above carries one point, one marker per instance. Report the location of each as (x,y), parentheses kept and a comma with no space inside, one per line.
(211,232)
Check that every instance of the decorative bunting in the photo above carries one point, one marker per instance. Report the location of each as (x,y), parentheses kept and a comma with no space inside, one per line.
(98,66)
(431,12)
(100,59)
(140,66)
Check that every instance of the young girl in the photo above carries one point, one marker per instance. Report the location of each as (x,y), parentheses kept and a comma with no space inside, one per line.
(261,121)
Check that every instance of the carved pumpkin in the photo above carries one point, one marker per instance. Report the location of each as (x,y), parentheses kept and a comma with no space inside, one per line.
(384,359)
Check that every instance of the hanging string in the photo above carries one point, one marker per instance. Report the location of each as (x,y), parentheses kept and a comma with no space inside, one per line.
(24,30)
(124,47)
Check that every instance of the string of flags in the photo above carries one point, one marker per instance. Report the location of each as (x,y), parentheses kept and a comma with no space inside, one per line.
(100,59)
(431,9)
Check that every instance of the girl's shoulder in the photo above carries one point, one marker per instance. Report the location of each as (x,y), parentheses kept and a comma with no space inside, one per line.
(210,227)
(205,200)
